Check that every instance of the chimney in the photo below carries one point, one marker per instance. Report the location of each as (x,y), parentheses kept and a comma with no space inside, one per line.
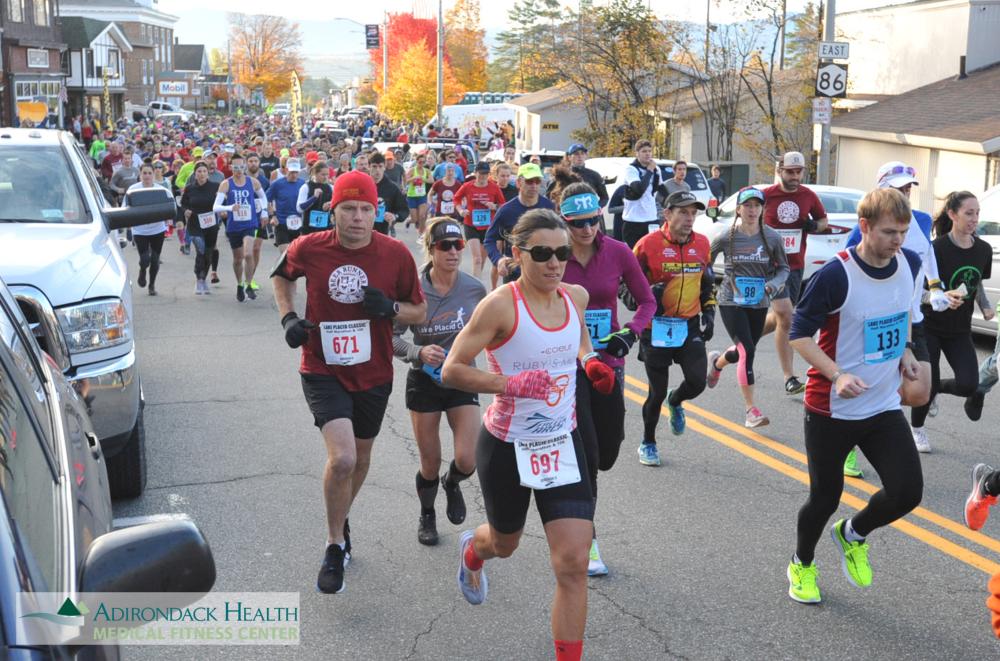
(961,69)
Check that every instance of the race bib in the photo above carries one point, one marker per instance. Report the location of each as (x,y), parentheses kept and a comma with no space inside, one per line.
(598,326)
(791,240)
(885,337)
(434,372)
(380,212)
(447,208)
(418,189)
(206,220)
(481,218)
(749,291)
(293,223)
(319,219)
(346,342)
(242,213)
(546,463)
(669,332)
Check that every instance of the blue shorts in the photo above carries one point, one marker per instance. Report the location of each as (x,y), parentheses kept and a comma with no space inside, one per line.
(416,202)
(236,237)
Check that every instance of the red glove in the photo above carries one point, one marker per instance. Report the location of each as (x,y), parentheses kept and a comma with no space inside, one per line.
(533,384)
(993,603)
(601,376)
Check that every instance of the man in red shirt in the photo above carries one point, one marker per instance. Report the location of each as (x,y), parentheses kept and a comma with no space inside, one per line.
(479,200)
(794,212)
(357,283)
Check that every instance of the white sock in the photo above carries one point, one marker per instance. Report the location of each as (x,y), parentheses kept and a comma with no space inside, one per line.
(849,533)
(342,545)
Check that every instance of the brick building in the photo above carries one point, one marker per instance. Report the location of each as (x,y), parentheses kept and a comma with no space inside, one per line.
(32,53)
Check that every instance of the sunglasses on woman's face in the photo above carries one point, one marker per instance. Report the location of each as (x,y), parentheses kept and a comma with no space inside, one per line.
(582,223)
(447,245)
(542,254)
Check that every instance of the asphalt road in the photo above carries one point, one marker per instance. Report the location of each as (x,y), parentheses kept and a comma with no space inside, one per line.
(697,548)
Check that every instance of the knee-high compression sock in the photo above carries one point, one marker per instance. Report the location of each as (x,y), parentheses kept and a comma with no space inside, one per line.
(427,492)
(453,475)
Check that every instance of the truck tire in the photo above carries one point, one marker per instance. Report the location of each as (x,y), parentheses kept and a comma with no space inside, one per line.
(127,469)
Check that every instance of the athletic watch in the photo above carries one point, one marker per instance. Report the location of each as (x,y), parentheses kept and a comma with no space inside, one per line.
(910,345)
(836,375)
(395,308)
(587,357)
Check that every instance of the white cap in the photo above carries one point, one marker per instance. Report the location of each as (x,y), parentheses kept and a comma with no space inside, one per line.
(896,174)
(793,159)
(293,165)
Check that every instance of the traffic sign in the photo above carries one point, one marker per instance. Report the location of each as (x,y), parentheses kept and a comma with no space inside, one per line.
(834,50)
(831,80)
(822,110)
(371,37)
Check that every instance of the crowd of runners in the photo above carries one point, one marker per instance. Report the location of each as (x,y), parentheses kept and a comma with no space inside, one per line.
(544,334)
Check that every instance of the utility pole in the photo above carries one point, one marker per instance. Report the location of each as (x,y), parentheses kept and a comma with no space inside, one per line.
(708,29)
(385,53)
(784,29)
(229,78)
(440,63)
(823,166)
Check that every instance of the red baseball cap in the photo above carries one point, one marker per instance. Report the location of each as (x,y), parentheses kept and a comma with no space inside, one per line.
(354,185)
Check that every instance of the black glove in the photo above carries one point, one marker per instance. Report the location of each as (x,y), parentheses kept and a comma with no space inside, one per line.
(377,304)
(658,290)
(707,323)
(626,297)
(296,330)
(811,225)
(619,343)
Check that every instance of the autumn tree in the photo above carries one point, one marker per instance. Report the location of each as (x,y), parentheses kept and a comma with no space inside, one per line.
(412,94)
(217,62)
(465,43)
(265,51)
(405,29)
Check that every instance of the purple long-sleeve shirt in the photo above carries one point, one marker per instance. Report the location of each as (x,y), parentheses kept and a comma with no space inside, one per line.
(613,261)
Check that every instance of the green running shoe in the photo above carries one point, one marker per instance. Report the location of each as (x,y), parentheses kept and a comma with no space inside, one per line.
(851,465)
(254,285)
(855,560)
(802,583)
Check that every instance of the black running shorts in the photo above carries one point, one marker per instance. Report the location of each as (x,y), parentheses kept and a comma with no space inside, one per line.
(328,400)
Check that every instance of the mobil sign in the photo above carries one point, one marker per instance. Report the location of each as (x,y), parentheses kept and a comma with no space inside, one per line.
(173,88)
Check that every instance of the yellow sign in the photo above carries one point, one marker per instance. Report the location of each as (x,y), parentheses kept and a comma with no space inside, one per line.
(296,109)
(36,111)
(550,126)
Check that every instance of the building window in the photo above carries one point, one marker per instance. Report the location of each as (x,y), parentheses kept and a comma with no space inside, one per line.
(15,10)
(41,12)
(113,63)
(145,74)
(142,30)
(88,62)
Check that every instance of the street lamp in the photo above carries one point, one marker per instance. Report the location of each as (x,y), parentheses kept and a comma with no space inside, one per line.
(385,46)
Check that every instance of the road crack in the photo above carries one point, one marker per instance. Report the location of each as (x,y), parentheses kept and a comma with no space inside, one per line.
(428,630)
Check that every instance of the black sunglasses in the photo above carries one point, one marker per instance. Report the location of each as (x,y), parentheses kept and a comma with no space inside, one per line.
(543,254)
(581,223)
(446,245)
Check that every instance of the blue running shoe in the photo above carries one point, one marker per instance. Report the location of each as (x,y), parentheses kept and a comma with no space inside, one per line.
(648,454)
(677,421)
(473,584)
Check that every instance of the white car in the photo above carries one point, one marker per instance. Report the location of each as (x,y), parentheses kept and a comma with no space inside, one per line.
(282,108)
(841,206)
(157,108)
(989,231)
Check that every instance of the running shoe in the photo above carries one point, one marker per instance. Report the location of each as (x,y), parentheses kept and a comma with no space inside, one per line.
(854,560)
(142,278)
(974,406)
(977,505)
(240,296)
(755,418)
(427,533)
(851,465)
(456,502)
(920,440)
(251,294)
(331,573)
(596,566)
(152,290)
(215,278)
(793,386)
(713,372)
(347,542)
(473,584)
(648,454)
(253,285)
(197,288)
(802,583)
(932,408)
(677,420)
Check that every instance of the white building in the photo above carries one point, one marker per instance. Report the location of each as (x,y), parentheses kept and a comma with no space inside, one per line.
(547,118)
(96,51)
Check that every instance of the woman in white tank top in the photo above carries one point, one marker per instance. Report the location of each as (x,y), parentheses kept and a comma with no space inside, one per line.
(533,335)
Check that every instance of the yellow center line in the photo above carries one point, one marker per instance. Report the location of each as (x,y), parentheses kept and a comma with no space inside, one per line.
(950,525)
(935,541)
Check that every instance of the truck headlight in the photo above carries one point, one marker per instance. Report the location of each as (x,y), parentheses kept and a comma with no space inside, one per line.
(96,325)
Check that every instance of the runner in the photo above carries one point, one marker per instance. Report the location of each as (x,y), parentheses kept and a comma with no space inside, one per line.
(502,174)
(497,239)
(755,271)
(283,194)
(576,157)
(316,200)
(533,333)
(643,181)
(451,297)
(859,303)
(357,283)
(418,178)
(597,264)
(675,261)
(478,201)
(392,206)
(985,490)
(197,201)
(794,212)
(393,170)
(988,377)
(964,262)
(148,238)
(442,199)
(243,205)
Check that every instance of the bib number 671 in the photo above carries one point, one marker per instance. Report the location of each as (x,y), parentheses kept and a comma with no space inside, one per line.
(344,344)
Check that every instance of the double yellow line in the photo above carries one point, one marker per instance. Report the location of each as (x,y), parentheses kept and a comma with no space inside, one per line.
(932,539)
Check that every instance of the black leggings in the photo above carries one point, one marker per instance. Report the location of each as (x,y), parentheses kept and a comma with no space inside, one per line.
(215,259)
(694,365)
(149,248)
(887,443)
(745,326)
(961,355)
(204,245)
(600,420)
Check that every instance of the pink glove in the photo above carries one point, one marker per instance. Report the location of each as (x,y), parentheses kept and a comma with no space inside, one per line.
(601,376)
(533,384)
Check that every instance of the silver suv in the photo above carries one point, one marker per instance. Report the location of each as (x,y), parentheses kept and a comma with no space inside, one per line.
(60,256)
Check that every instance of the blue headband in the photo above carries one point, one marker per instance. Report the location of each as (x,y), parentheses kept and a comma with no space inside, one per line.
(579,205)
(750,193)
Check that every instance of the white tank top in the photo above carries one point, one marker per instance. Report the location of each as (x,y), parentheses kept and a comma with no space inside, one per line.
(863,338)
(531,346)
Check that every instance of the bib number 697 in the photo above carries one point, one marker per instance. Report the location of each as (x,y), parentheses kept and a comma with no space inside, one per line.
(542,464)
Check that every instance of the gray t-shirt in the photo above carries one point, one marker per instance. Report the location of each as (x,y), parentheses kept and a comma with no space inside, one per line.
(750,265)
(446,316)
(124,177)
(673,186)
